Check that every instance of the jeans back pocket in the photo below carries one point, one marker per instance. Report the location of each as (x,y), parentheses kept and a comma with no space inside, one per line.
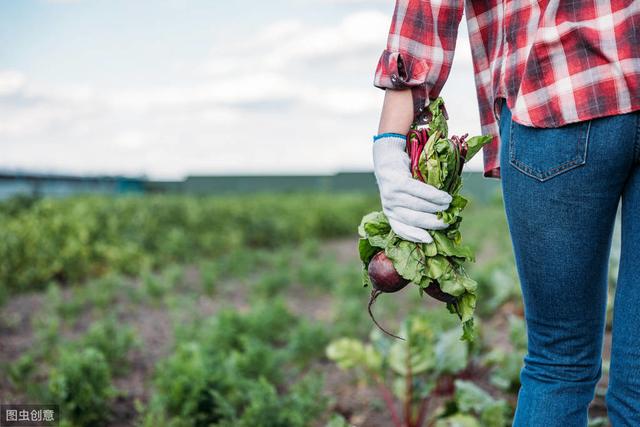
(543,153)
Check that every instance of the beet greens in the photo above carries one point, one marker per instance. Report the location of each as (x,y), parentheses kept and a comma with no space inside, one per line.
(436,268)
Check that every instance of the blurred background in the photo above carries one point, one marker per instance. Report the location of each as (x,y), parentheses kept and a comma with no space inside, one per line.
(180,187)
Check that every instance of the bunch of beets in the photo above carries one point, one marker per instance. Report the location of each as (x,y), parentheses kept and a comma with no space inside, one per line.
(390,262)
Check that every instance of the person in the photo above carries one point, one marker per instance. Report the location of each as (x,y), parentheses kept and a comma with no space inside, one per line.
(558,88)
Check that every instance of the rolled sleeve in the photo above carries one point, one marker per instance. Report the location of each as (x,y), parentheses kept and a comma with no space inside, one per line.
(398,70)
(420,48)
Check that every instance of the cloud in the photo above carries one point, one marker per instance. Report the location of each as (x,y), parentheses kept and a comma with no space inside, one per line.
(291,97)
(10,82)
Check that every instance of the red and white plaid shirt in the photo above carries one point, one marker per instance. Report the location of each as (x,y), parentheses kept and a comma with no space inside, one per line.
(555,62)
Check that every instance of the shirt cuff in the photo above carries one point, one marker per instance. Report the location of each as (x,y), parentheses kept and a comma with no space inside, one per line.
(400,70)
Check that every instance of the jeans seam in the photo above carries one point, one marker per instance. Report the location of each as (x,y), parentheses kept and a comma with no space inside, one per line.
(636,146)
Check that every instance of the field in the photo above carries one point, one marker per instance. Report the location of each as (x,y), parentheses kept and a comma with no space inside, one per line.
(245,311)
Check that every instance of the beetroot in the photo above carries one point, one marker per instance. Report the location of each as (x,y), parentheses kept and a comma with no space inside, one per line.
(384,279)
(383,274)
(434,291)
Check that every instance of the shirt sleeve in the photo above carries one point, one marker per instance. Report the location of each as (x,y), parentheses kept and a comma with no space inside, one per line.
(420,48)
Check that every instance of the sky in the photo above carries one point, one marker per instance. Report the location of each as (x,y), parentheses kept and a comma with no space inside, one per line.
(170,88)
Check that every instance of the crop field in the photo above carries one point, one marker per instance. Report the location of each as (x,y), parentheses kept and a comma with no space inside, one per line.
(246,311)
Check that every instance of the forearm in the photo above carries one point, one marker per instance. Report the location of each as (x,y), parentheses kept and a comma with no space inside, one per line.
(397,111)
(417,58)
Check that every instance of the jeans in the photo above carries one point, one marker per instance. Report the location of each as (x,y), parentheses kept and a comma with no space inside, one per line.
(561,188)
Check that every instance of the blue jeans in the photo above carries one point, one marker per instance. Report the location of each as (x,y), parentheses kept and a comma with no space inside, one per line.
(561,189)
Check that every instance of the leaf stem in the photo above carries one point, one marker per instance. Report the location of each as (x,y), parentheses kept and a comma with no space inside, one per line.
(408,399)
(422,412)
(387,396)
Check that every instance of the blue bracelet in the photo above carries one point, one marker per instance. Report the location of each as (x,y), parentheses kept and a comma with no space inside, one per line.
(388,134)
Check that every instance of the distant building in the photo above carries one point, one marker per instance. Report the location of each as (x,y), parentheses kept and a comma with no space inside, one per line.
(31,184)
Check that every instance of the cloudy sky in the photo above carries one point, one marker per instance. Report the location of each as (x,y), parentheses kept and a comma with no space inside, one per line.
(168,88)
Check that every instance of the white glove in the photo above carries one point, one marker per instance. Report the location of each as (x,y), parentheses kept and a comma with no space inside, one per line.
(409,204)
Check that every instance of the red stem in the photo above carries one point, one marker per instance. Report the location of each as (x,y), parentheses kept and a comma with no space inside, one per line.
(388,400)
(409,396)
(422,413)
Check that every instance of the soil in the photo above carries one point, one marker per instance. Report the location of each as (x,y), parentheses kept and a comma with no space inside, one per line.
(359,404)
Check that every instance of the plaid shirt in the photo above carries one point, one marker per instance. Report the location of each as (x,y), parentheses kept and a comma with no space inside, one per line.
(555,62)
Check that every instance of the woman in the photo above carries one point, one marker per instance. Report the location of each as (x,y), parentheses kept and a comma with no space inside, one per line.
(558,85)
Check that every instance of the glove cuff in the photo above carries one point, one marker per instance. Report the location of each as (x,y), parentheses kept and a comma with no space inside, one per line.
(390,140)
(389,135)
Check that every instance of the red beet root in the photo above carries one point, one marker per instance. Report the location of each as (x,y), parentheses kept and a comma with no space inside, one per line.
(383,274)
(434,291)
(384,279)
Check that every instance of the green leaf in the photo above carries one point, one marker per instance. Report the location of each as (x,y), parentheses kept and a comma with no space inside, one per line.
(495,414)
(366,251)
(430,249)
(475,144)
(449,248)
(467,305)
(374,224)
(452,355)
(458,420)
(438,120)
(470,397)
(517,332)
(366,280)
(437,266)
(381,240)
(407,259)
(458,202)
(468,283)
(403,355)
(468,331)
(451,284)
(337,421)
(350,353)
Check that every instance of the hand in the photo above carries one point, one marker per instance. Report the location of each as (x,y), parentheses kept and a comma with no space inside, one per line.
(409,204)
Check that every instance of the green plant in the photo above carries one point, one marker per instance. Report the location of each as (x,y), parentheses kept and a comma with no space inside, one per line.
(72,239)
(102,292)
(318,272)
(271,283)
(408,372)
(81,384)
(497,283)
(113,339)
(155,286)
(507,364)
(209,275)
(337,421)
(306,341)
(20,371)
(474,407)
(239,370)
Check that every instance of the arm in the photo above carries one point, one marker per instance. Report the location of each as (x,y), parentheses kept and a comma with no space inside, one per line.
(412,68)
(397,112)
(420,48)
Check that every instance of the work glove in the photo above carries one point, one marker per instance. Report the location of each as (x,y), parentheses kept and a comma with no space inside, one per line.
(409,204)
